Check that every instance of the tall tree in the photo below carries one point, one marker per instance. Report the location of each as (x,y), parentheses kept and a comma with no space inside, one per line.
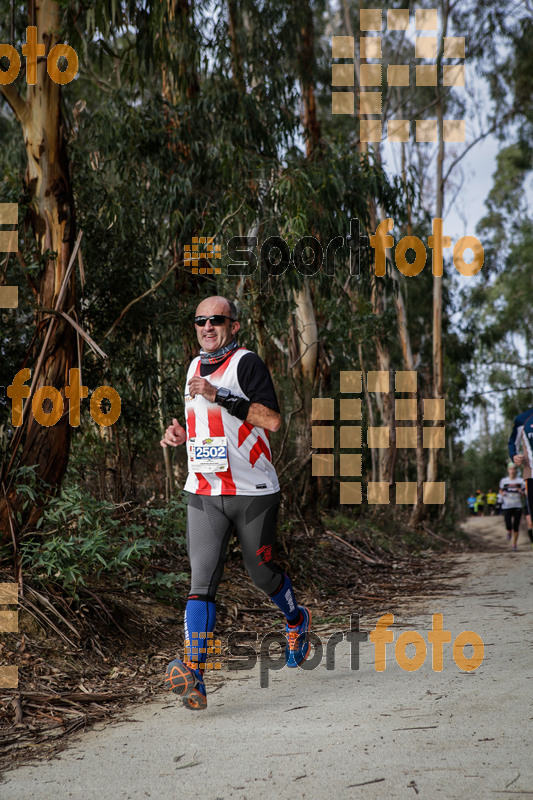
(52,219)
(438,370)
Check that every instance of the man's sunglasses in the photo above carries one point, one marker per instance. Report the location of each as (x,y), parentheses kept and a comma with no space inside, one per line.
(216,319)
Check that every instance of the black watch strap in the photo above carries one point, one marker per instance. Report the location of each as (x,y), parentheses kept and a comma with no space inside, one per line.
(236,406)
(222,395)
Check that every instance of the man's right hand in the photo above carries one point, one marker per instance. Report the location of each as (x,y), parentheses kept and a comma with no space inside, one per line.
(518,460)
(174,435)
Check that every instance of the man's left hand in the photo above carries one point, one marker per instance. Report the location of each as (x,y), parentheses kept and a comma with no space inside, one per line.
(199,385)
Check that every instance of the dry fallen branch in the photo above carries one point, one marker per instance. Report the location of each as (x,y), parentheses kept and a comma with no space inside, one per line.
(362,556)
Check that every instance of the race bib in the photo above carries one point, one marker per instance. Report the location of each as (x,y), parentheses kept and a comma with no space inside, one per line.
(208,455)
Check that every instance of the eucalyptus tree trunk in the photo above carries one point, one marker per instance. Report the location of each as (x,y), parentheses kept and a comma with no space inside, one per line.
(409,364)
(383,464)
(438,374)
(169,477)
(363,146)
(304,326)
(305,313)
(418,511)
(52,219)
(305,317)
(370,411)
(307,334)
(384,400)
(236,56)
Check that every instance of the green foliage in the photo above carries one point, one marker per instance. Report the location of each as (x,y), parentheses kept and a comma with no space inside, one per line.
(171,519)
(499,309)
(485,465)
(177,129)
(83,540)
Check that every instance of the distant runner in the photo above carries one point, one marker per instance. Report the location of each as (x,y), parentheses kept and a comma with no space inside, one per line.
(513,489)
(522,436)
(230,404)
(472,505)
(492,499)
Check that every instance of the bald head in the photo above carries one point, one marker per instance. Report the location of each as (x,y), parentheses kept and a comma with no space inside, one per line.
(213,337)
(221,305)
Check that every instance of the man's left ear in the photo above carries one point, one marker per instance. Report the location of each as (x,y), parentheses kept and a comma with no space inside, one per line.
(235,327)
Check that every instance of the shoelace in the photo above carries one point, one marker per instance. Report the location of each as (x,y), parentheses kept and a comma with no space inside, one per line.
(293,637)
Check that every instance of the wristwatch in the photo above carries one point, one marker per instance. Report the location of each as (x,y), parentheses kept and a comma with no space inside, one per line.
(222,395)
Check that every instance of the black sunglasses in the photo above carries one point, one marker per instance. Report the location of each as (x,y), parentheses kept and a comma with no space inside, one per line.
(215,319)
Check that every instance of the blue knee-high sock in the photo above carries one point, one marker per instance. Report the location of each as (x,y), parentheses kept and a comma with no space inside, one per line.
(200,618)
(286,602)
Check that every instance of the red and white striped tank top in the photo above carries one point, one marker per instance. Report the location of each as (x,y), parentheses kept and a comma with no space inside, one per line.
(250,469)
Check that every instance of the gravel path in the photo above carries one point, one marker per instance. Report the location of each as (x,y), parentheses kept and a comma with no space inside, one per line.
(338,733)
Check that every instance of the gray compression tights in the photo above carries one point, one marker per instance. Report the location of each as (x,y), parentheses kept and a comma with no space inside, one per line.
(209,525)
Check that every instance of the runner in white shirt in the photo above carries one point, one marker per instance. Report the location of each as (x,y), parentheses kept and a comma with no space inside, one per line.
(230,405)
(512,489)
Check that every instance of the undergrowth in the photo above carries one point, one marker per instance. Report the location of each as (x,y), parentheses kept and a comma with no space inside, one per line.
(79,539)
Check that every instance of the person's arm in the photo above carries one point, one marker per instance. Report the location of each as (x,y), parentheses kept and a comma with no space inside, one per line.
(511,445)
(256,382)
(261,409)
(513,442)
(263,417)
(174,435)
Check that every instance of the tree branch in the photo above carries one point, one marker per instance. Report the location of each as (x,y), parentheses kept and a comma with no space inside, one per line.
(475,141)
(15,101)
(136,300)
(482,393)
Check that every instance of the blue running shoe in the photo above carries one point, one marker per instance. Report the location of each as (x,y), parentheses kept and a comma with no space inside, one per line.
(188,683)
(298,646)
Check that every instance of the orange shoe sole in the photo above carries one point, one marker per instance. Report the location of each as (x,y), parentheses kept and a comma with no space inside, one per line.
(180,680)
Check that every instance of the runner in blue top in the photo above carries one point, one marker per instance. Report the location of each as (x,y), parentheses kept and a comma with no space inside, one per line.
(471,505)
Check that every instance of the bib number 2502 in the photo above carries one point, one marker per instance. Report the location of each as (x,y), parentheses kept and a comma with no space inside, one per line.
(208,455)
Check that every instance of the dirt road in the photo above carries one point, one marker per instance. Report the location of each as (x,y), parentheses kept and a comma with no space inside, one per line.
(341,733)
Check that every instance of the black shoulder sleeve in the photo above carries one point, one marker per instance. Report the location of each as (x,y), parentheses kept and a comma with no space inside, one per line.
(255,381)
